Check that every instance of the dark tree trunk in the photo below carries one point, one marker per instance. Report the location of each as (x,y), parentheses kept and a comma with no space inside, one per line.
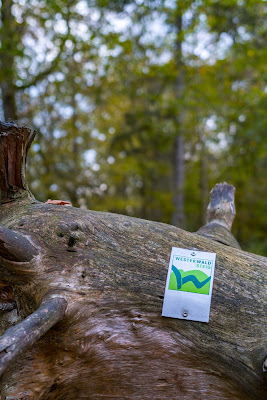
(203,178)
(178,217)
(9,38)
(97,279)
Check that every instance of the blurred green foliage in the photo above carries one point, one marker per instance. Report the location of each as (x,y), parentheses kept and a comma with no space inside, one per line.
(97,79)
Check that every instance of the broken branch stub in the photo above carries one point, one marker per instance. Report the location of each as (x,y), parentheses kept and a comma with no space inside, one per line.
(221,208)
(14,247)
(17,339)
(220,215)
(15,142)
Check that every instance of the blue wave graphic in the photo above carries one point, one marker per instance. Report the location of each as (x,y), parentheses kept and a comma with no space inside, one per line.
(181,281)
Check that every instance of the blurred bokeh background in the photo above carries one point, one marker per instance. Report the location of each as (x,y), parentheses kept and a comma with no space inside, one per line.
(142,106)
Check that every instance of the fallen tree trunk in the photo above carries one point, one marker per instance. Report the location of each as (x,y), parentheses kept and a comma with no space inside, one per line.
(112,342)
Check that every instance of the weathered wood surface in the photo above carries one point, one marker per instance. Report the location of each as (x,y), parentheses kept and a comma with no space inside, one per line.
(112,342)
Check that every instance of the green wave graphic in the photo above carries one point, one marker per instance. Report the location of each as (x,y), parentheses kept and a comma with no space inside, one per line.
(194,281)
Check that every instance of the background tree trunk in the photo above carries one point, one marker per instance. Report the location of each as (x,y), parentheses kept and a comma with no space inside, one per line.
(9,40)
(178,217)
(203,177)
(112,341)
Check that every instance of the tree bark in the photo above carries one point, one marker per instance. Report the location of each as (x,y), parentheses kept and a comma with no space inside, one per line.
(112,341)
(15,142)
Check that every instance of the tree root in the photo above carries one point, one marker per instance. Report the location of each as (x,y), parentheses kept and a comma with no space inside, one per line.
(20,337)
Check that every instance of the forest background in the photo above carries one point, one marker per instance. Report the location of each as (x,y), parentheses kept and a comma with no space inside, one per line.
(142,106)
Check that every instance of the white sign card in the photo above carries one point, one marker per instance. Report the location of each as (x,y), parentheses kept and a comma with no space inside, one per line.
(189,285)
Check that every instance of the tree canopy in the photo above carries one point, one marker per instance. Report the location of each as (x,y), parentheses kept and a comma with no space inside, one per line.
(142,106)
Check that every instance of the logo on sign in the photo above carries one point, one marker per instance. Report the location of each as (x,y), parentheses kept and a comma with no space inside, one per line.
(193,281)
(186,277)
